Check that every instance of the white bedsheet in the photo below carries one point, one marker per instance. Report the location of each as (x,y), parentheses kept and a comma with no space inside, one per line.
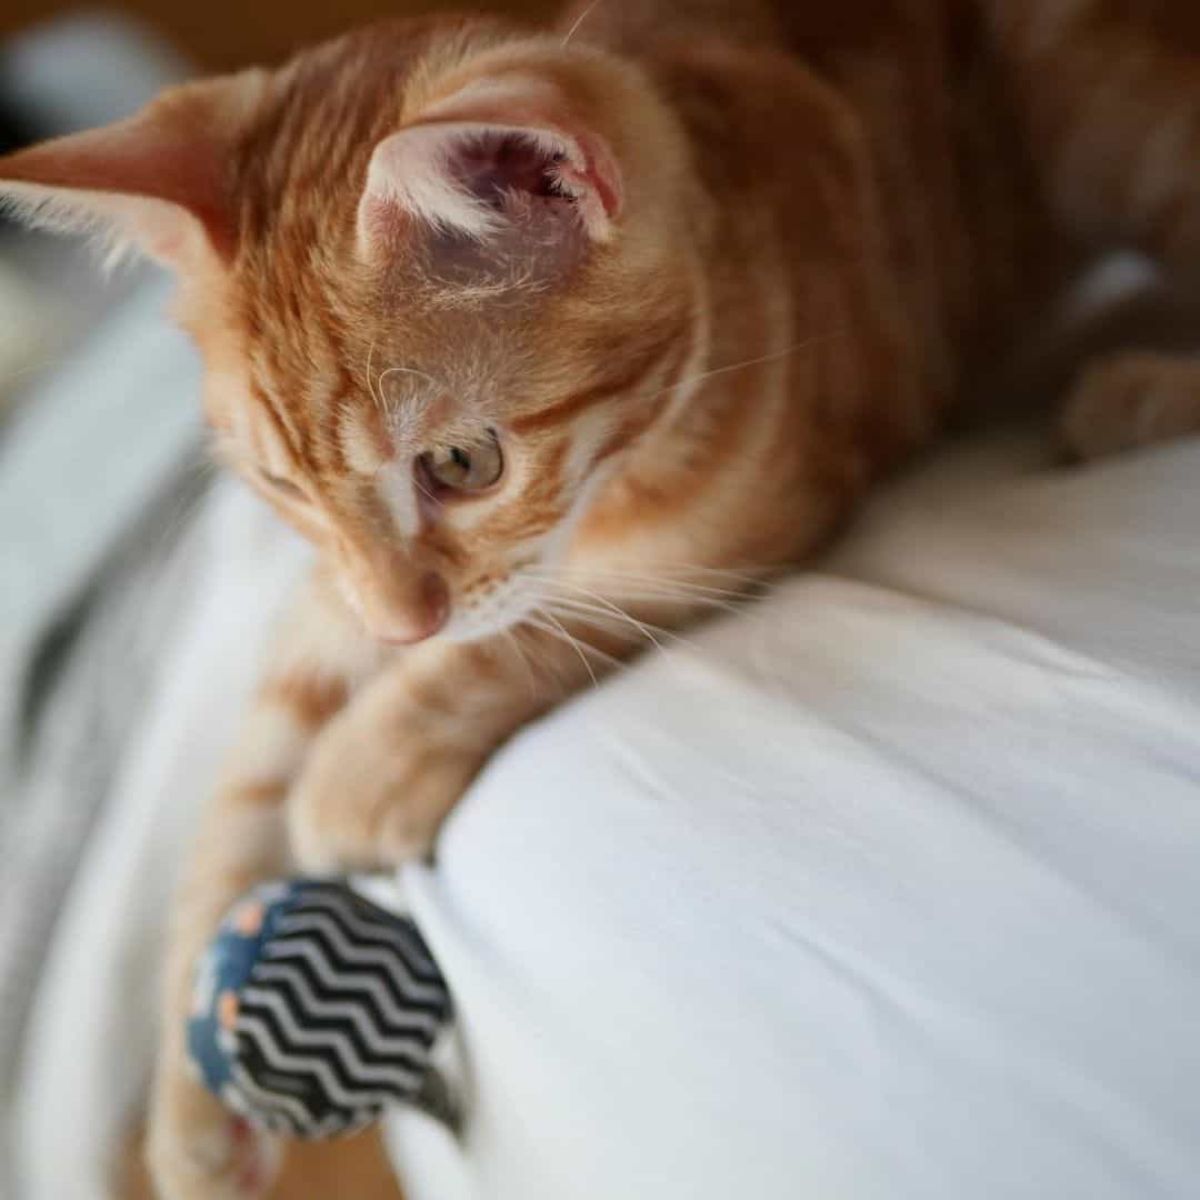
(885,889)
(889,889)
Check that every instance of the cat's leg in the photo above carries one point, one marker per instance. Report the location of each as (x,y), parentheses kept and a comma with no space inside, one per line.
(1109,94)
(1130,400)
(387,771)
(196,1149)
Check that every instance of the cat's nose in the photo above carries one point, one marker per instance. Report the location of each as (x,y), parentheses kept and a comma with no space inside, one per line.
(405,616)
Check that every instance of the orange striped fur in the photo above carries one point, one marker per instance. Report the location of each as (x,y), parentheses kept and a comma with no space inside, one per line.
(736,260)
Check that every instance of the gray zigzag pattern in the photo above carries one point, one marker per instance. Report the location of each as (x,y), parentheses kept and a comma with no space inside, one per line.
(338,1019)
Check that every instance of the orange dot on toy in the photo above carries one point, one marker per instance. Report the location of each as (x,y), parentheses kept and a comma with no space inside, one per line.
(227,1010)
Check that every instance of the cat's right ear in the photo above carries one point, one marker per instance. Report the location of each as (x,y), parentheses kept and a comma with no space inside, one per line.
(155,183)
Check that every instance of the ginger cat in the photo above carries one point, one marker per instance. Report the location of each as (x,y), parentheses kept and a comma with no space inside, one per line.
(537,334)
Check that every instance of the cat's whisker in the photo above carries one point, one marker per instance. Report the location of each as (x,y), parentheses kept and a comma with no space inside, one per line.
(682,573)
(375,399)
(543,611)
(693,604)
(512,636)
(401,371)
(553,627)
(611,622)
(775,356)
(583,16)
(573,642)
(600,605)
(534,624)
(654,588)
(647,629)
(423,489)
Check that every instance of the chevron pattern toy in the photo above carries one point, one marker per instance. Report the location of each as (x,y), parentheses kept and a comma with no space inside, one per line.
(314,1009)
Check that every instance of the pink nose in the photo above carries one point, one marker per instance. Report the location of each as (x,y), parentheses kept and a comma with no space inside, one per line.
(416,621)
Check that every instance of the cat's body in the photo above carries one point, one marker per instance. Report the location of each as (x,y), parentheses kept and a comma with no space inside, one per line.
(743,264)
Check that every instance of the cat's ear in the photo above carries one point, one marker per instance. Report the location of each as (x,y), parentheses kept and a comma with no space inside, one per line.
(155,183)
(500,166)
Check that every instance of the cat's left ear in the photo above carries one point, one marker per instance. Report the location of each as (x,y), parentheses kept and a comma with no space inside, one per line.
(503,166)
(156,183)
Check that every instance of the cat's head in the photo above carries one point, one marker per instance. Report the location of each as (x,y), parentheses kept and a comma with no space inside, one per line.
(440,278)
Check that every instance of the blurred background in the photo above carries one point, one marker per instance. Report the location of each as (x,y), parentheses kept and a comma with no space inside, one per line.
(222,34)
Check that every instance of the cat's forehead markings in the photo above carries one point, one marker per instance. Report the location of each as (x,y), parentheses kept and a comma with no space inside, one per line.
(398,490)
(412,400)
(408,418)
(364,449)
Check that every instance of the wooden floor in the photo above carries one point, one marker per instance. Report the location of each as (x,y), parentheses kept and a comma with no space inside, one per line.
(350,1169)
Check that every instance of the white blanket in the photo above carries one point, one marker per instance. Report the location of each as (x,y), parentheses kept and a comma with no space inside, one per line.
(886,888)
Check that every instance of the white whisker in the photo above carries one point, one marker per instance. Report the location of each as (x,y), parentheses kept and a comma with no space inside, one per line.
(583,16)
(662,573)
(375,399)
(531,622)
(554,628)
(652,589)
(613,611)
(572,642)
(701,377)
(512,636)
(402,371)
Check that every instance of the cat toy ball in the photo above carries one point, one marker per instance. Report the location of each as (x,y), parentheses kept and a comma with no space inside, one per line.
(314,1009)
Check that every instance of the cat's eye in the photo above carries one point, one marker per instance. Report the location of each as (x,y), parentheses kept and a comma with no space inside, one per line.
(284,487)
(472,467)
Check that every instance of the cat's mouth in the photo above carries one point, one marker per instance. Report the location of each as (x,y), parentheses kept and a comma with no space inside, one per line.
(485,611)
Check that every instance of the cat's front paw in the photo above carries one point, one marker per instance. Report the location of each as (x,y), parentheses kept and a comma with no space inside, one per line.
(1128,400)
(197,1150)
(364,802)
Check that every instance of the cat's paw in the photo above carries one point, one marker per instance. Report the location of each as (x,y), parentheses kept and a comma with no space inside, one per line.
(1129,400)
(363,802)
(197,1150)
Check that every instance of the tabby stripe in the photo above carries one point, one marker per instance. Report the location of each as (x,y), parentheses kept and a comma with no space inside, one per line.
(558,413)
(288,433)
(677,359)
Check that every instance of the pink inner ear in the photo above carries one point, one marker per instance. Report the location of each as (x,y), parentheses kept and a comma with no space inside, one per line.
(495,167)
(493,183)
